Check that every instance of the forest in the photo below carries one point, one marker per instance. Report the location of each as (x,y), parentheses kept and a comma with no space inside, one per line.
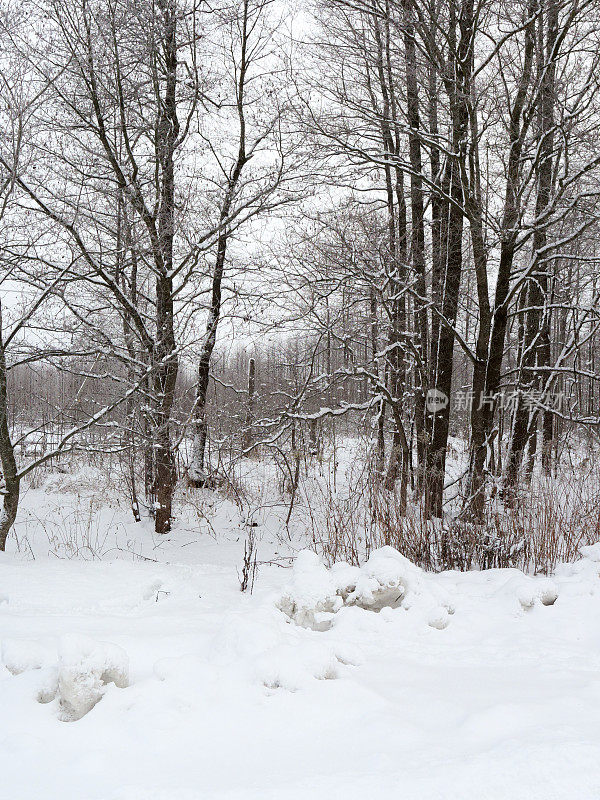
(302,298)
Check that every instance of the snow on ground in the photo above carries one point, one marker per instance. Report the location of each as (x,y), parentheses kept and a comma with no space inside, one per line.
(132,679)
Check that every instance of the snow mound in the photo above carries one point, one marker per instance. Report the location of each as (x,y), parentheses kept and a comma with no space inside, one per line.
(22,655)
(153,590)
(439,618)
(348,654)
(292,668)
(47,686)
(543,590)
(591,551)
(85,667)
(386,580)
(246,635)
(345,577)
(311,598)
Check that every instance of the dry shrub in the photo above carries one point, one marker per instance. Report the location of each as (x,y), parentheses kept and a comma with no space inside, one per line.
(548,524)
(557,517)
(74,532)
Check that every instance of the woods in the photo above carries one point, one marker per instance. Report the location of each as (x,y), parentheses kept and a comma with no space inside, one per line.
(299,399)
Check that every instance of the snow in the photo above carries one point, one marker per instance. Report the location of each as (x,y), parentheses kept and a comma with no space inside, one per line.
(386,580)
(85,668)
(541,590)
(20,655)
(591,551)
(311,598)
(143,673)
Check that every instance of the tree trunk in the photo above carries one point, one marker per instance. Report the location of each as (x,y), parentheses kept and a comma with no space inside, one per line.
(440,185)
(397,245)
(376,367)
(247,439)
(536,346)
(11,482)
(417,227)
(482,416)
(457,90)
(166,362)
(197,473)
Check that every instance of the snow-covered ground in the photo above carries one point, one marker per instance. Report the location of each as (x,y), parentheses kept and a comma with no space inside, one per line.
(155,678)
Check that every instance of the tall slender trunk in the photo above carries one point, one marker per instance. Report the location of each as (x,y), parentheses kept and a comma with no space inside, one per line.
(399,457)
(376,367)
(166,361)
(440,185)
(457,86)
(440,425)
(129,288)
(11,481)
(197,474)
(536,350)
(483,412)
(474,205)
(417,228)
(248,433)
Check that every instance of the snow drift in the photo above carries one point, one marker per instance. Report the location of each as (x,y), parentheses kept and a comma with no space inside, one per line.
(387,580)
(85,668)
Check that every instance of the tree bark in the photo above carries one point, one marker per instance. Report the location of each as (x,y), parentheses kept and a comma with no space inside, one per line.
(197,473)
(165,355)
(11,480)
(399,457)
(536,345)
(483,408)
(417,206)
(457,86)
(247,439)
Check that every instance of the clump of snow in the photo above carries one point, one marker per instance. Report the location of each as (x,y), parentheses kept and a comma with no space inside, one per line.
(346,577)
(439,618)
(311,598)
(591,551)
(22,655)
(548,592)
(152,590)
(533,590)
(85,667)
(386,580)
(292,667)
(348,654)
(47,687)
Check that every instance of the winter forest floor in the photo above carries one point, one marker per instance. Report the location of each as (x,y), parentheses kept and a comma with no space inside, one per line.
(475,685)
